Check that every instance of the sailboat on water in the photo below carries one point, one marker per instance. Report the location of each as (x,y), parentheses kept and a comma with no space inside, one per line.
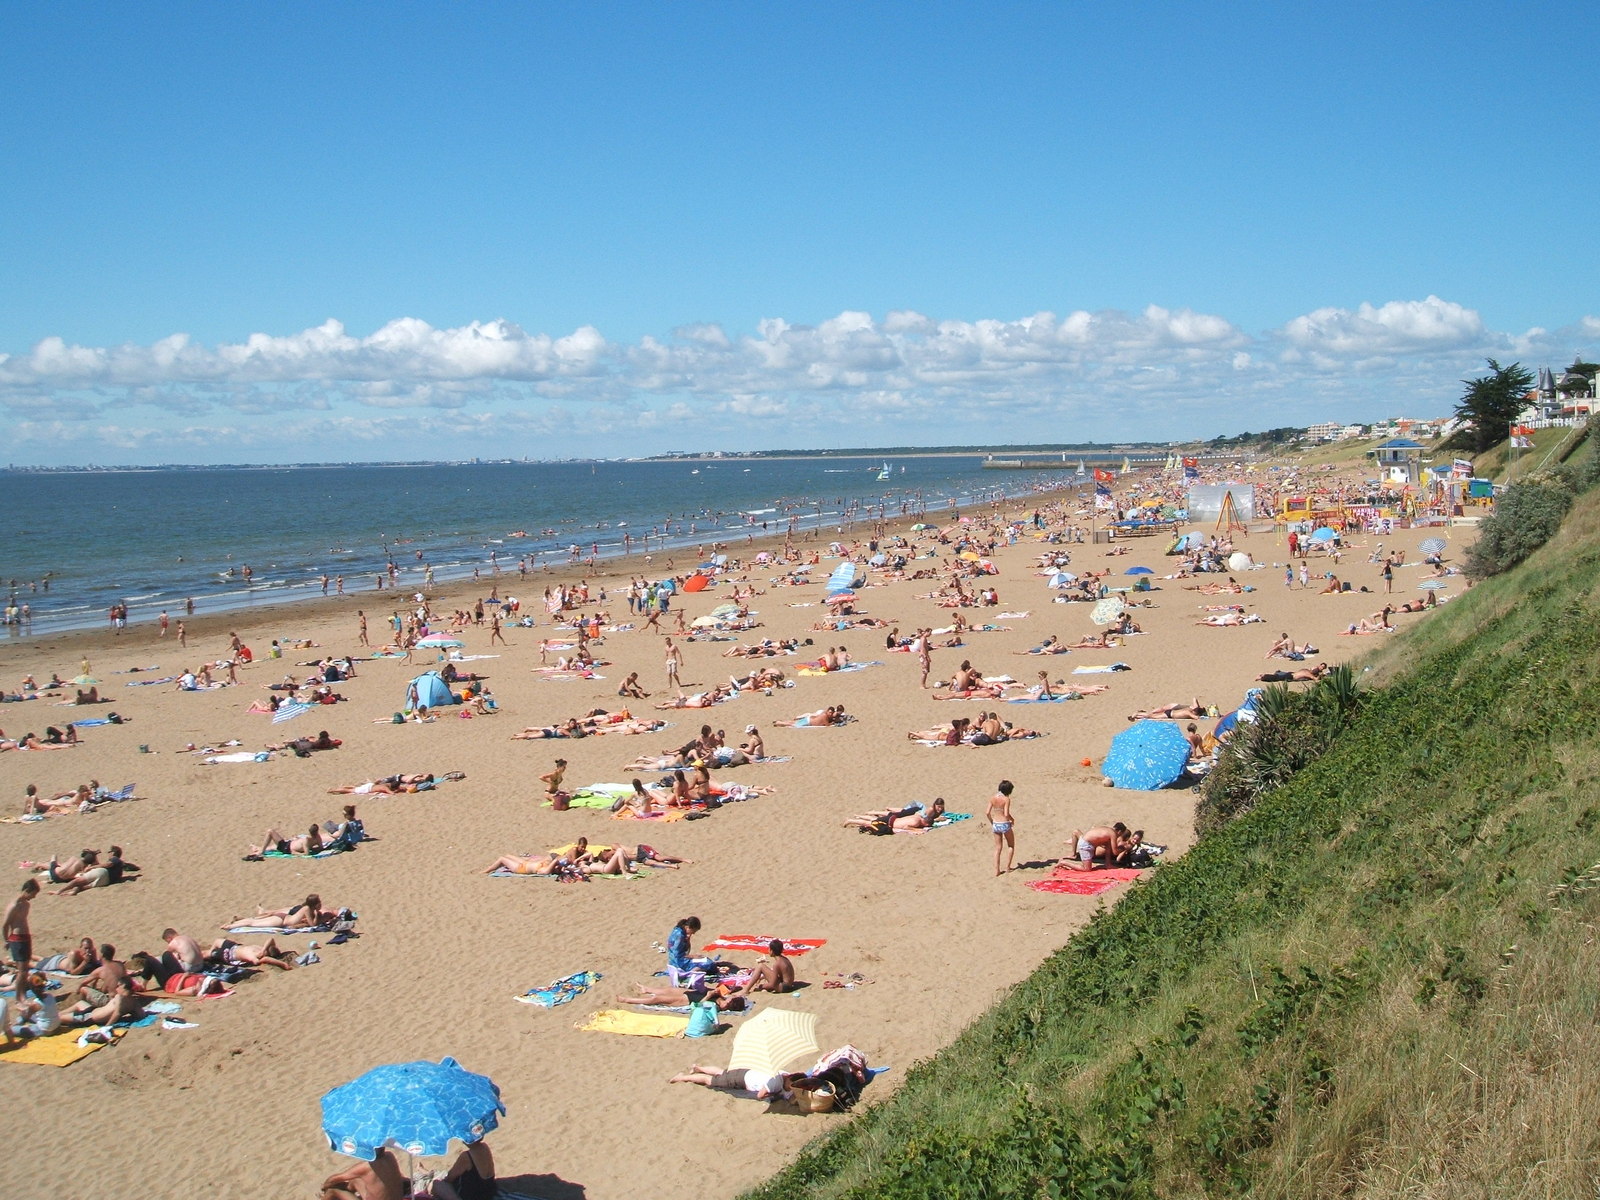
(883,475)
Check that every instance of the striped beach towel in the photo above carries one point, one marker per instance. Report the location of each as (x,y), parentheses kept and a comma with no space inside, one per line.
(289,711)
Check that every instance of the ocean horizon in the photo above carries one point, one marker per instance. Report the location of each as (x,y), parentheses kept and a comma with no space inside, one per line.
(154,538)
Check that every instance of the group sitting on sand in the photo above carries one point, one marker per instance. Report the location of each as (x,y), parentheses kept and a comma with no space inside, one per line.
(987,730)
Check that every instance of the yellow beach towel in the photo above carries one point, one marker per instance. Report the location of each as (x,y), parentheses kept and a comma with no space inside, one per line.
(57,1050)
(636,1024)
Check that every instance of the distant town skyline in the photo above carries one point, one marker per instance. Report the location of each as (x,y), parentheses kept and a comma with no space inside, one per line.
(268,235)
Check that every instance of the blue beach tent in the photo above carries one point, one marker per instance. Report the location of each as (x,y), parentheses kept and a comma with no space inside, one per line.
(431,690)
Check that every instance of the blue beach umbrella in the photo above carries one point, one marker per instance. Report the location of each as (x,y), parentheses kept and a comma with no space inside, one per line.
(1432,545)
(1147,755)
(1138,571)
(1323,534)
(417,1106)
(1432,585)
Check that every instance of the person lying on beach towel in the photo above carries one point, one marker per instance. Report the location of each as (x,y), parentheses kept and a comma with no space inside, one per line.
(304,915)
(225,953)
(34,804)
(302,747)
(701,699)
(1301,675)
(302,846)
(525,864)
(629,728)
(760,679)
(722,995)
(100,874)
(758,1083)
(883,821)
(1173,712)
(1376,623)
(1051,645)
(832,715)
(394,785)
(150,974)
(766,649)
(949,735)
(31,741)
(1230,618)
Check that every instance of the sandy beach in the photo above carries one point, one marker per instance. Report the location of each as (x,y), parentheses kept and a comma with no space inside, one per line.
(232,1105)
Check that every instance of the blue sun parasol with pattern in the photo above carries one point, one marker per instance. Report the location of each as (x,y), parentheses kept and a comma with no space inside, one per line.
(1147,755)
(416,1106)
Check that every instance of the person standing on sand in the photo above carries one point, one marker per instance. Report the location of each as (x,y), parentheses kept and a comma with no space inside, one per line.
(183,636)
(163,620)
(19,937)
(494,630)
(925,652)
(1000,819)
(363,632)
(674,661)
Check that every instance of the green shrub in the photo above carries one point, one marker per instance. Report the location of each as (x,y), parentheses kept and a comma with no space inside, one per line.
(1526,516)
(1289,733)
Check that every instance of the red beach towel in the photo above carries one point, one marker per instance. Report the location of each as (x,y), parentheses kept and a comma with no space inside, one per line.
(793,947)
(1084,883)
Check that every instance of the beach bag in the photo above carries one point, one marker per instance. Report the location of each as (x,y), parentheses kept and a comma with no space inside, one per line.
(818,1101)
(702,1019)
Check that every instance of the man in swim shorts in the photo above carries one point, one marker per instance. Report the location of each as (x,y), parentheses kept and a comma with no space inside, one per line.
(19,935)
(1097,848)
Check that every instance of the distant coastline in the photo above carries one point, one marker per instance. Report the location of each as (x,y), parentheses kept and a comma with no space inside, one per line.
(1088,448)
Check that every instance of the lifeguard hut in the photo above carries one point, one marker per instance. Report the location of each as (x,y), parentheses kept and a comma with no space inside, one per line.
(1400,461)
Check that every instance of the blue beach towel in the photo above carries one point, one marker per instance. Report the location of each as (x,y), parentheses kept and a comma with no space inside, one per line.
(561,990)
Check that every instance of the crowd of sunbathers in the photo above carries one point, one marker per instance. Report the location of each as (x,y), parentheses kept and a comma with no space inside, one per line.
(92,987)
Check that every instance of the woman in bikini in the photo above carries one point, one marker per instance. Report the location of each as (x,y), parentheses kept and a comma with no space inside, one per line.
(1172,712)
(308,914)
(525,864)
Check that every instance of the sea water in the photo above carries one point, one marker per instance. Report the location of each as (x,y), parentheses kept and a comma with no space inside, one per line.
(154,539)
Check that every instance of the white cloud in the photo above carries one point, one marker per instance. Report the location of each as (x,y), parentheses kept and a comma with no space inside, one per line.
(853,377)
(1396,327)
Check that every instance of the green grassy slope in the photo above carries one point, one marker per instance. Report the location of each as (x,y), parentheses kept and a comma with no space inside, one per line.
(1378,983)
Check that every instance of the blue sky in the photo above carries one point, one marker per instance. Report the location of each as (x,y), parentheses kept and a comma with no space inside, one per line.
(276,233)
